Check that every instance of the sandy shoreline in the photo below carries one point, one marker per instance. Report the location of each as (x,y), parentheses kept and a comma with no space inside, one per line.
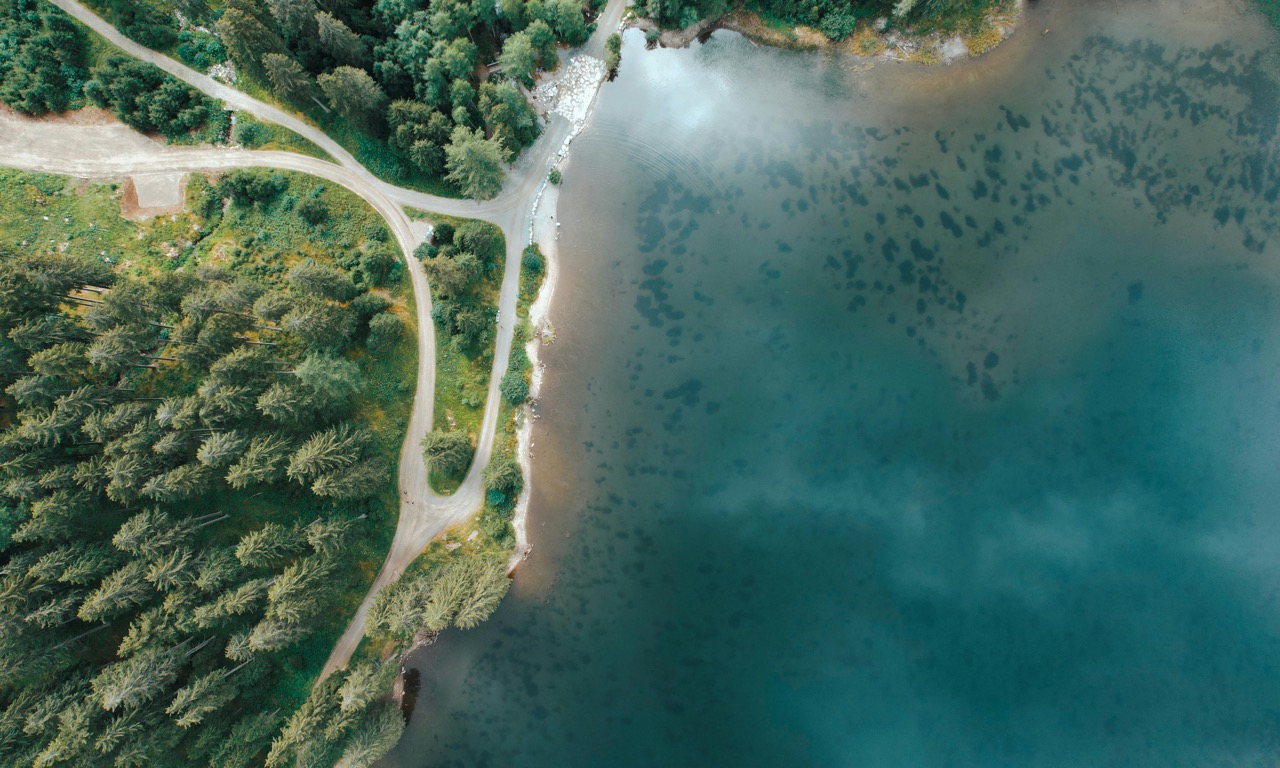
(543,232)
(573,96)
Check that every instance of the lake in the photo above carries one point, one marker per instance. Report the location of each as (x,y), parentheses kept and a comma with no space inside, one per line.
(905,416)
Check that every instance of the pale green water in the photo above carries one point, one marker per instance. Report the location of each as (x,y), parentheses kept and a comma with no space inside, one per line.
(905,419)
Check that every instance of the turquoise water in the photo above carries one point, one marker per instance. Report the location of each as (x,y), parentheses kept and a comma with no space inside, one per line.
(905,418)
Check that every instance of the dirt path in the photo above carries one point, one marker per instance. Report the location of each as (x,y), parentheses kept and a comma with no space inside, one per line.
(114,151)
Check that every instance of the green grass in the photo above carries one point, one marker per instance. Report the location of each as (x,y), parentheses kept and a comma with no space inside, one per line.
(255,134)
(462,381)
(40,212)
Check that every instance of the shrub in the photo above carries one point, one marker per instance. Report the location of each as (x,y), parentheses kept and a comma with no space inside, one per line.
(145,98)
(502,481)
(380,266)
(514,388)
(251,134)
(385,329)
(442,234)
(200,50)
(313,211)
(532,260)
(554,177)
(425,251)
(42,58)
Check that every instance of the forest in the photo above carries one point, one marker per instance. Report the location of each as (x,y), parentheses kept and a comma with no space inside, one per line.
(201,418)
(427,95)
(49,64)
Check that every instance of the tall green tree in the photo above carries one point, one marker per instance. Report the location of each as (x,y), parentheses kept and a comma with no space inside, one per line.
(447,452)
(519,59)
(340,42)
(356,96)
(508,116)
(247,38)
(475,164)
(288,79)
(296,18)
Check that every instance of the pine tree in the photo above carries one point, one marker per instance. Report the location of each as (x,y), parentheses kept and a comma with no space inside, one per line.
(366,681)
(274,634)
(151,533)
(263,461)
(356,96)
(374,737)
(293,596)
(200,698)
(123,589)
(137,679)
(270,544)
(334,377)
(475,163)
(340,42)
(220,449)
(65,360)
(357,481)
(326,537)
(296,18)
(288,403)
(247,38)
(328,451)
(172,570)
(289,80)
(184,482)
(447,452)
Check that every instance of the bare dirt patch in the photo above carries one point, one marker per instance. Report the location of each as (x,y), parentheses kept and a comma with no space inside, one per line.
(147,196)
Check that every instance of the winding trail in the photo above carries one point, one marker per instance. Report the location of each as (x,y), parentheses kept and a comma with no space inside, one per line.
(115,150)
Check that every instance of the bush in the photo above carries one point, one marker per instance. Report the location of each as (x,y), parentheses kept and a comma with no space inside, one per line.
(42,58)
(380,266)
(425,251)
(256,188)
(613,53)
(145,98)
(532,260)
(366,305)
(442,234)
(502,482)
(554,177)
(313,211)
(251,134)
(481,238)
(385,329)
(200,50)
(514,388)
(376,231)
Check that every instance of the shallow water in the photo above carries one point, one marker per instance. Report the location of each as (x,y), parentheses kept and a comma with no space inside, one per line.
(905,418)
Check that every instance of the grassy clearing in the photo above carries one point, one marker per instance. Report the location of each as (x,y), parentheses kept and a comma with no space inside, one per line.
(255,134)
(462,375)
(41,212)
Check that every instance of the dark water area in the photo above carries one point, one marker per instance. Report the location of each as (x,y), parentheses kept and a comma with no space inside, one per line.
(905,417)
